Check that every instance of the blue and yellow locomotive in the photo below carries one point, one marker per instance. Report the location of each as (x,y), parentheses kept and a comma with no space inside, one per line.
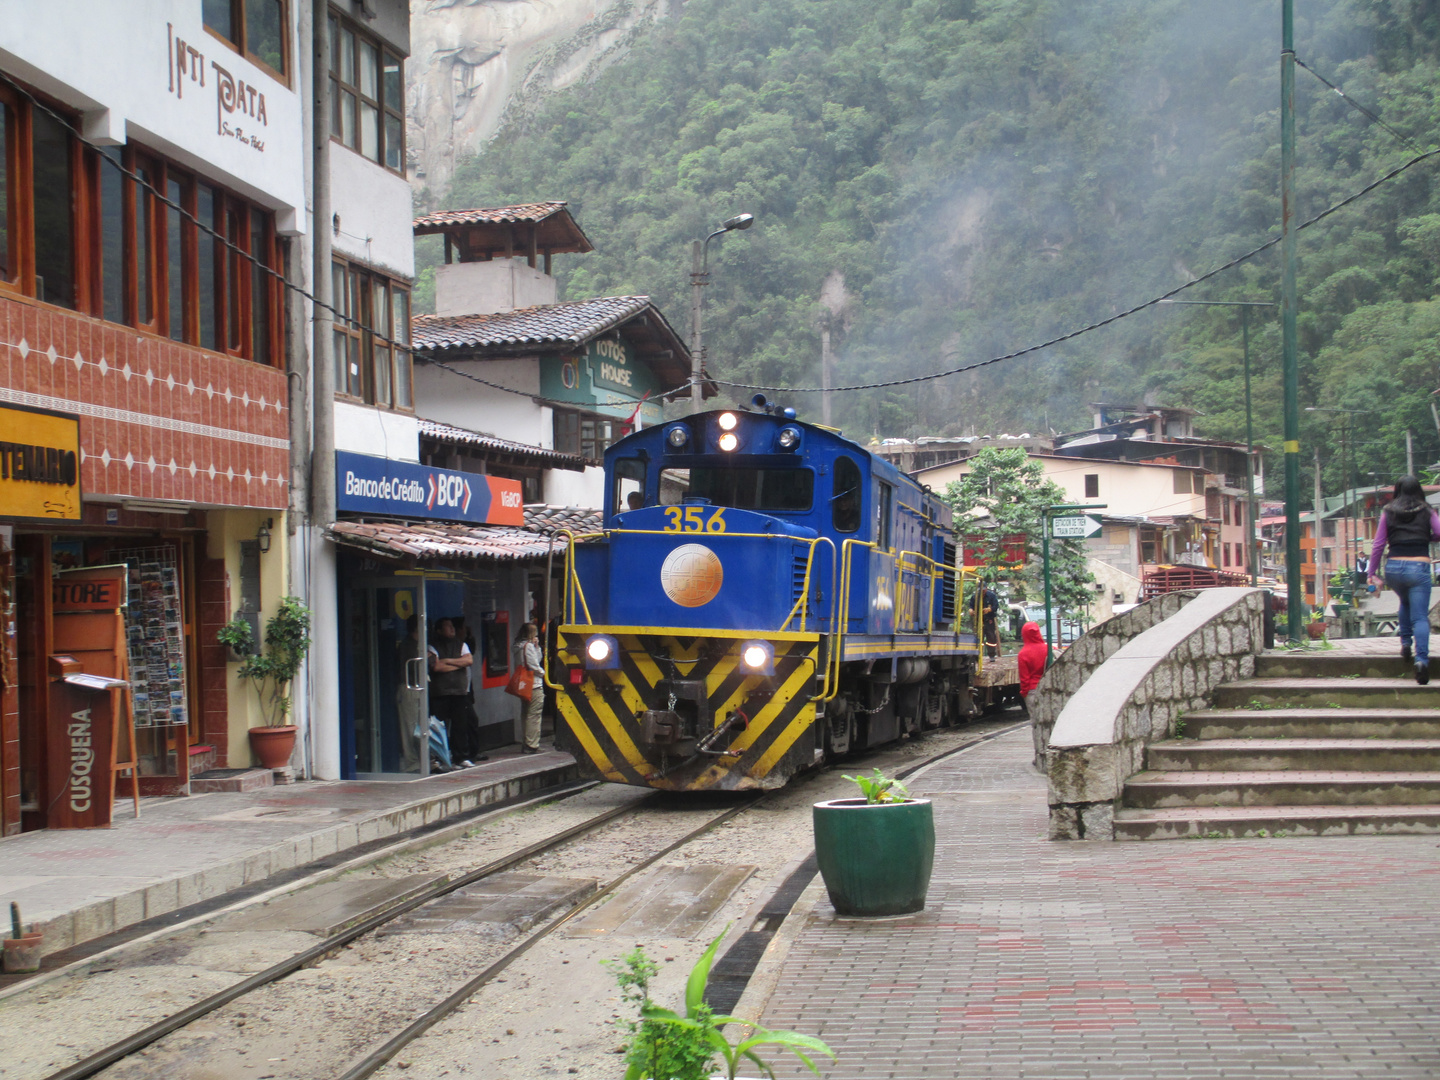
(765,593)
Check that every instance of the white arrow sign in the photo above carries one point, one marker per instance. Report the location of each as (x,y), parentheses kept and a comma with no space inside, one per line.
(1076,527)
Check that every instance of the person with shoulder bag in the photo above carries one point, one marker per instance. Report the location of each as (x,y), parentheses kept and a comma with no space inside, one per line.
(1408,525)
(529,668)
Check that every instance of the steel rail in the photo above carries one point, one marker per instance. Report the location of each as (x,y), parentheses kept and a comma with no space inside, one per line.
(377,1058)
(381,1055)
(117,1051)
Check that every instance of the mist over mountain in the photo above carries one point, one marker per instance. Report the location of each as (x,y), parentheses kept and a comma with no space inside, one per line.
(966,178)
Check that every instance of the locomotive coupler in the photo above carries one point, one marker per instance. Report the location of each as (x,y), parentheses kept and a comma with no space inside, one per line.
(688,714)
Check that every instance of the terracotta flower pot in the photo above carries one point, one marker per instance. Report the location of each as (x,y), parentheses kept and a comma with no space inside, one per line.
(1316,630)
(22,954)
(273,745)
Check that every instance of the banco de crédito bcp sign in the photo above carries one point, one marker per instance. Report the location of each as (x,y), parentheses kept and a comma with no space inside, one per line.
(376,485)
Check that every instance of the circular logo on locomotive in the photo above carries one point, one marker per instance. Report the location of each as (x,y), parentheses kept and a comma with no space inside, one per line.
(691,575)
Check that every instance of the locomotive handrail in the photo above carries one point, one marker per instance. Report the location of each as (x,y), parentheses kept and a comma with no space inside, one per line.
(802,604)
(979,613)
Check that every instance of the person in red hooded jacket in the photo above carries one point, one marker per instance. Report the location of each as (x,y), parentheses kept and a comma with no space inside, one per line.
(1033,654)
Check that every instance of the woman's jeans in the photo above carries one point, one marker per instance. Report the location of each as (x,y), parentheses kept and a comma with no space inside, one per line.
(1411,580)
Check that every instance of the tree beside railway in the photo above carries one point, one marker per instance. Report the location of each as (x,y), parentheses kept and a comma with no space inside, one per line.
(1010,489)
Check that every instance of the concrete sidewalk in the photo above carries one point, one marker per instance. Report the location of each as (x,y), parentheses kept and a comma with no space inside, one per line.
(79,885)
(1311,958)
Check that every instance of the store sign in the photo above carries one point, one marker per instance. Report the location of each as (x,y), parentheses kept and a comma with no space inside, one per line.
(376,485)
(39,464)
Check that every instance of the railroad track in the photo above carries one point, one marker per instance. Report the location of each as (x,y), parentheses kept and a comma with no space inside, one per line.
(379,1055)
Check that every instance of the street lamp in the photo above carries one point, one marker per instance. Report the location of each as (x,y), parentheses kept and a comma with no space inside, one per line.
(1251,543)
(699,276)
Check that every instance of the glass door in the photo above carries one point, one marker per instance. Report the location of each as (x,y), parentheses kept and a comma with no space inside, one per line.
(384,670)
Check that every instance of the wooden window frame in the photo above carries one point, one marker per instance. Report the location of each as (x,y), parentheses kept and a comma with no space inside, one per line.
(242,46)
(19,210)
(359,304)
(361,38)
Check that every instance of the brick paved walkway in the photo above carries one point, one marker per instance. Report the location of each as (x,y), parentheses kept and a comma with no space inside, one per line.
(1313,958)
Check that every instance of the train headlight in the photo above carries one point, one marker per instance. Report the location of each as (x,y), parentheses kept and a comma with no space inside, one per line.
(602,653)
(727,421)
(789,438)
(677,436)
(728,441)
(758,657)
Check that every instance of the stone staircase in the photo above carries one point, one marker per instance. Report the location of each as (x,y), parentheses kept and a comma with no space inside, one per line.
(1316,744)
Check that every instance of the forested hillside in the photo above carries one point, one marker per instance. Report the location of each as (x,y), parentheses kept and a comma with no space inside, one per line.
(982,175)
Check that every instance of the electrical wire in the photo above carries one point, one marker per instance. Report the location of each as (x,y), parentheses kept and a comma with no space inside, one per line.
(1425,156)
(1357,106)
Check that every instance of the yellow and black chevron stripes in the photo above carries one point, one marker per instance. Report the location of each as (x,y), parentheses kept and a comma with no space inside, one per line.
(603,714)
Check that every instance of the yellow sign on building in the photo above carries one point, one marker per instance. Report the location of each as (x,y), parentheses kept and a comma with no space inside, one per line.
(39,464)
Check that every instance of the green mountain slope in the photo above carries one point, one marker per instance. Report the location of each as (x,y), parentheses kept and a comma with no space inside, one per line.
(982,175)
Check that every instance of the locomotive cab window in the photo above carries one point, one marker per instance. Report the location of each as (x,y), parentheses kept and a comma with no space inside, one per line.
(845,500)
(883,514)
(753,488)
(628,491)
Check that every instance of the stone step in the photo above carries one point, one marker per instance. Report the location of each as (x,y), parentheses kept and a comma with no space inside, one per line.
(1240,821)
(1320,693)
(1350,755)
(1151,790)
(1283,664)
(1313,723)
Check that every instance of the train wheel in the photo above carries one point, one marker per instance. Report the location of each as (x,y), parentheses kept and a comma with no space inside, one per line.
(838,726)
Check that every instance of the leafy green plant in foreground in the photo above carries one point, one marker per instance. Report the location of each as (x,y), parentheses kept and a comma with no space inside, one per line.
(879,788)
(663,1045)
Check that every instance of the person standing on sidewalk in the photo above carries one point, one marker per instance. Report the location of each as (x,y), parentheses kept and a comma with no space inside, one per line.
(1031,660)
(450,661)
(528,655)
(1407,527)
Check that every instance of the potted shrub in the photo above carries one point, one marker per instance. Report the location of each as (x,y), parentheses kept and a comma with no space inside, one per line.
(663,1045)
(1316,625)
(875,853)
(271,670)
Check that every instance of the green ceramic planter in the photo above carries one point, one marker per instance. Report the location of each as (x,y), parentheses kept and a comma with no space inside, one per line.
(875,859)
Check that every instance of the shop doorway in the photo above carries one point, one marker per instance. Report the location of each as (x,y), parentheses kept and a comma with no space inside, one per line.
(383,703)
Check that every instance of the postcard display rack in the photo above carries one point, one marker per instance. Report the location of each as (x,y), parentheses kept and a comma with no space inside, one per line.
(155,632)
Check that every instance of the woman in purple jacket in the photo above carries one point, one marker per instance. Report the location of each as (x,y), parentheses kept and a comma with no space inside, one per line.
(1407,526)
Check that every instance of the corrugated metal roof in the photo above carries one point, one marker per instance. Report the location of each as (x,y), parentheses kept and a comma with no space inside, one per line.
(541,455)
(569,324)
(490,215)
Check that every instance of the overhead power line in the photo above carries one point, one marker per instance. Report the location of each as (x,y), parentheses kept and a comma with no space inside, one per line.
(1357,106)
(1427,155)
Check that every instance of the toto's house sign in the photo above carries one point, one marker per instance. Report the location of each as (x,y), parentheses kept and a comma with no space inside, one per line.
(376,485)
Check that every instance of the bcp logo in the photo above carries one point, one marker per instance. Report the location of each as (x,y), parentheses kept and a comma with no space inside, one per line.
(449,491)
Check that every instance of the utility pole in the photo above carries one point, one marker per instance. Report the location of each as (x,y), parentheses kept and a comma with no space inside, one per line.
(1319,510)
(697,349)
(1290,356)
(1409,453)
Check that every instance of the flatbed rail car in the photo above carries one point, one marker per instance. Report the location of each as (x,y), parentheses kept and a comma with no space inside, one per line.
(765,593)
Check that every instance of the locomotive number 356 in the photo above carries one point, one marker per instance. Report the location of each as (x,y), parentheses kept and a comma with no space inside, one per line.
(691,519)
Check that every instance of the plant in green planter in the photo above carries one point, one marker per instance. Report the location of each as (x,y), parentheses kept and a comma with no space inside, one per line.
(880,788)
(271,671)
(875,853)
(663,1045)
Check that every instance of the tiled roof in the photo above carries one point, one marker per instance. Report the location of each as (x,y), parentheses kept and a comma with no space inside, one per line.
(548,518)
(569,324)
(425,540)
(456,436)
(450,540)
(490,215)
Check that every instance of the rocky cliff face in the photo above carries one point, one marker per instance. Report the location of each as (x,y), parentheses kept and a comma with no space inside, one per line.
(477,64)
